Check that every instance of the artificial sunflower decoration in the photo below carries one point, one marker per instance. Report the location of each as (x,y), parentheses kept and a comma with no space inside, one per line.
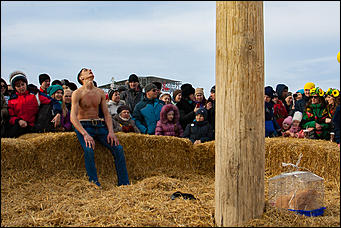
(321,93)
(335,93)
(313,91)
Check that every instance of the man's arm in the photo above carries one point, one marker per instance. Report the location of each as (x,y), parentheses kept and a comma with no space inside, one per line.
(74,111)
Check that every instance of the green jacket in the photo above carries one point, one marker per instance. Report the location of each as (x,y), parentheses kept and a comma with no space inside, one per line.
(313,114)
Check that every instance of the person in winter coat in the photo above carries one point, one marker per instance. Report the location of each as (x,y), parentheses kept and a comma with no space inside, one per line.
(210,107)
(200,100)
(44,81)
(282,91)
(272,129)
(300,105)
(295,129)
(169,124)
(122,121)
(114,101)
(147,112)
(280,112)
(23,106)
(315,115)
(177,94)
(199,131)
(332,98)
(133,94)
(186,105)
(336,121)
(57,93)
(67,98)
(166,98)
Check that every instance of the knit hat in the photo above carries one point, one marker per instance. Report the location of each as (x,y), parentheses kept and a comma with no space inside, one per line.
(301,91)
(187,89)
(111,92)
(199,91)
(133,78)
(269,91)
(158,85)
(122,107)
(43,77)
(15,76)
(54,88)
(213,89)
(175,93)
(203,112)
(287,120)
(297,116)
(309,85)
(56,82)
(149,87)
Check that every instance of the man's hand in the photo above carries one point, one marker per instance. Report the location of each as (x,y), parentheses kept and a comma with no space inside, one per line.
(22,123)
(111,138)
(328,120)
(89,141)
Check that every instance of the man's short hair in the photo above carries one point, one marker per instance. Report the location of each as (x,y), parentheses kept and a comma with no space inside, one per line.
(79,74)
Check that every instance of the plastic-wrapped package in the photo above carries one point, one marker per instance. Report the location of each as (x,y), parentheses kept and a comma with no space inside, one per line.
(299,191)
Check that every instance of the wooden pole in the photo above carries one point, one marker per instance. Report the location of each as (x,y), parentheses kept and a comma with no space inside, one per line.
(240,118)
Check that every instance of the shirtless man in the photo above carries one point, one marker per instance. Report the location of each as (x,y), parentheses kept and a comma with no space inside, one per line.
(88,126)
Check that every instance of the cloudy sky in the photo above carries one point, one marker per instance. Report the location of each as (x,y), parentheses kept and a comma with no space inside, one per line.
(174,40)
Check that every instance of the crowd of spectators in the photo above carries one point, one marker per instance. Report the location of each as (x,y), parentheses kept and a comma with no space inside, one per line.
(308,113)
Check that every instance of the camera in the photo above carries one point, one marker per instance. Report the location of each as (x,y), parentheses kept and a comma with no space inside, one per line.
(295,95)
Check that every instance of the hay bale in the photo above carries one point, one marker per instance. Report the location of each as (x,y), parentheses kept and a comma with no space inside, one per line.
(17,154)
(319,156)
(147,153)
(204,157)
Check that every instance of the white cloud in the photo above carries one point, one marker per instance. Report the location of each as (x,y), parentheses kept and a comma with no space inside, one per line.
(289,21)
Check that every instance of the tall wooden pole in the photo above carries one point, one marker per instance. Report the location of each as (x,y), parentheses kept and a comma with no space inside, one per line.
(240,118)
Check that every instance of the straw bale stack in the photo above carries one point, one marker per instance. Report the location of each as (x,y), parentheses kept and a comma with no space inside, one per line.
(319,156)
(51,187)
(149,155)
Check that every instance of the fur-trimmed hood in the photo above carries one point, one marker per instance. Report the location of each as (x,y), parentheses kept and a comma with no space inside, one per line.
(165,109)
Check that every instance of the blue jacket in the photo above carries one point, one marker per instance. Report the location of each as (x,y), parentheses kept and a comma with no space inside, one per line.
(146,114)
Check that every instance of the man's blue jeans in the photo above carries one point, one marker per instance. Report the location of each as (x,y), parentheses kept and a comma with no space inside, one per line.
(99,131)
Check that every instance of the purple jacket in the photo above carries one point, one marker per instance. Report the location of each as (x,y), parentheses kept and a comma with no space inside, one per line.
(164,127)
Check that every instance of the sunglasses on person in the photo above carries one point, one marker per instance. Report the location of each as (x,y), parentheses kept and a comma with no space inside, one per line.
(315,97)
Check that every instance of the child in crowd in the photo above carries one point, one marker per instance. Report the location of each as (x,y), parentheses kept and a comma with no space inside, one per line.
(295,129)
(57,93)
(169,123)
(166,97)
(200,100)
(114,101)
(122,121)
(200,130)
(286,124)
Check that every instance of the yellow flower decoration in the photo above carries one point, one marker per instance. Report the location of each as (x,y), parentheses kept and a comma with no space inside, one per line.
(313,91)
(316,92)
(329,91)
(336,93)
